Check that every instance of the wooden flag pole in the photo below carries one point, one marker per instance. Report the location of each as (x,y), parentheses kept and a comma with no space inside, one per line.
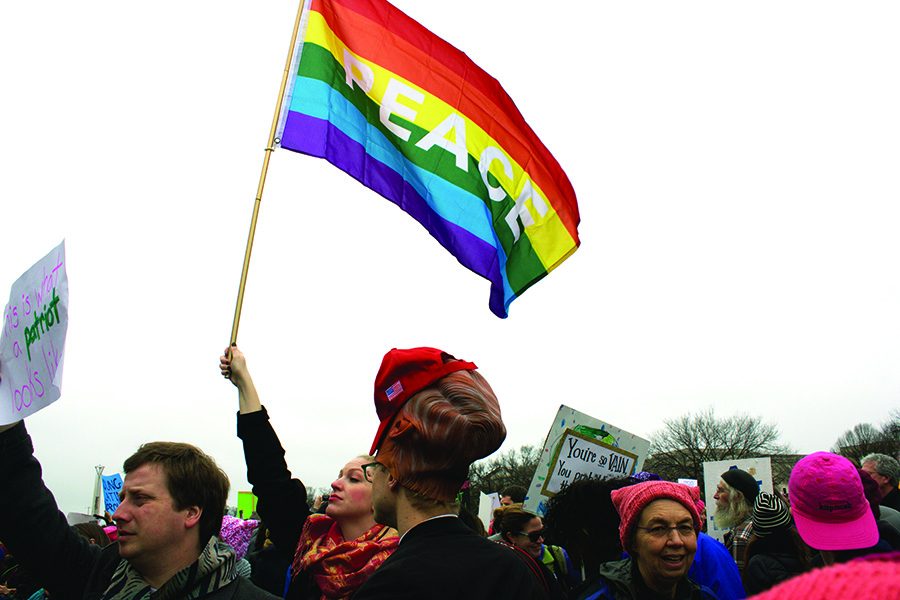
(270,147)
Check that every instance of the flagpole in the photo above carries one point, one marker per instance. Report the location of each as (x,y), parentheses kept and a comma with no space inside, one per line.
(270,147)
(95,501)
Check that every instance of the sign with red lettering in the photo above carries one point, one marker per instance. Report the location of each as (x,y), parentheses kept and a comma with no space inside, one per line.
(35,322)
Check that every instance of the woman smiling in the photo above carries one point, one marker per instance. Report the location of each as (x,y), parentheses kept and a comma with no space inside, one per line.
(658,529)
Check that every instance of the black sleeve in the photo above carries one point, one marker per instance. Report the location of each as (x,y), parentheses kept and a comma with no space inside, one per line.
(760,574)
(32,526)
(282,500)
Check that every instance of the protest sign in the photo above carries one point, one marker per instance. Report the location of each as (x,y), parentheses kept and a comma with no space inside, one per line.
(112,485)
(578,447)
(33,338)
(760,468)
(487,503)
(74,518)
(246,504)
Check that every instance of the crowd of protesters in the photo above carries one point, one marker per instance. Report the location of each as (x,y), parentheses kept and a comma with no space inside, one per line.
(392,528)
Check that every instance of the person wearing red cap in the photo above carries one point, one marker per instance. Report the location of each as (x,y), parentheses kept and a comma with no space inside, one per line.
(334,553)
(658,528)
(437,416)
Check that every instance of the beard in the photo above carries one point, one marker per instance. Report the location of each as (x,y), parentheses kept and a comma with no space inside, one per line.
(730,515)
(385,508)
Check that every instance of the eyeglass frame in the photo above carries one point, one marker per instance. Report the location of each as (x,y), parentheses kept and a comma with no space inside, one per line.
(665,531)
(365,469)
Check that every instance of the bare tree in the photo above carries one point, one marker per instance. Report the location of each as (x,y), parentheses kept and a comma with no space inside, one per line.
(313,492)
(681,447)
(865,438)
(514,467)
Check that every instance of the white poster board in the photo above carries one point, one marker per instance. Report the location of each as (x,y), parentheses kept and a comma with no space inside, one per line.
(33,338)
(579,446)
(487,503)
(760,468)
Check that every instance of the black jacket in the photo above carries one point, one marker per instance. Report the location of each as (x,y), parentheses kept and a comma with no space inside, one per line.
(771,560)
(37,533)
(282,499)
(442,559)
(764,571)
(892,499)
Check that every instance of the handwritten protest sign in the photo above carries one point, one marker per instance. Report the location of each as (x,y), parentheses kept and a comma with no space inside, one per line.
(578,447)
(112,485)
(33,338)
(760,468)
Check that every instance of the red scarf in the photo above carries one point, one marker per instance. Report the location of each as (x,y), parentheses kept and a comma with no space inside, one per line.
(338,566)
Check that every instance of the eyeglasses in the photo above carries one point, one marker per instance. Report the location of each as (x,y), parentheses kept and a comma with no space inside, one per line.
(534,535)
(662,531)
(367,469)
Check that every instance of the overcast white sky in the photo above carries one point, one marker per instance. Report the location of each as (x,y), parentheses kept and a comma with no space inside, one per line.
(736,170)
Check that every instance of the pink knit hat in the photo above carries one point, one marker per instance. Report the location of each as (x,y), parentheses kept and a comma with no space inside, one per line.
(829,505)
(873,577)
(237,533)
(630,502)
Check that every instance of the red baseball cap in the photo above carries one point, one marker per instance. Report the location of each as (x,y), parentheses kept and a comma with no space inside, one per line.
(403,374)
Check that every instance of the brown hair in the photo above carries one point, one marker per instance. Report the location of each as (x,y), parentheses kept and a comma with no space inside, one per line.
(440,432)
(92,532)
(510,520)
(192,478)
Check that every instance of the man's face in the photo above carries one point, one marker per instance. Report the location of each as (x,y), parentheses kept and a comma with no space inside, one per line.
(722,495)
(149,524)
(506,500)
(882,481)
(384,500)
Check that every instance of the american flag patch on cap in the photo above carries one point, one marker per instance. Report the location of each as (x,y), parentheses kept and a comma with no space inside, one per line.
(394,391)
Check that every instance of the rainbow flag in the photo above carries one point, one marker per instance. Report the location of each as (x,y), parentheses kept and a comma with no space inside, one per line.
(411,117)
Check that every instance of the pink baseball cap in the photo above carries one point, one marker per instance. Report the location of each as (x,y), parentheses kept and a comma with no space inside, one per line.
(829,505)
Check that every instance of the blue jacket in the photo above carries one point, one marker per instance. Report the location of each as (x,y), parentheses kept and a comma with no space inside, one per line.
(714,568)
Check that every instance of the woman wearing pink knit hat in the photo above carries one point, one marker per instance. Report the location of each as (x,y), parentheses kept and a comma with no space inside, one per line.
(658,529)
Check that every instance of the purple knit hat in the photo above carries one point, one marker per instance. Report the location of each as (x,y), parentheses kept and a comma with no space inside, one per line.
(237,533)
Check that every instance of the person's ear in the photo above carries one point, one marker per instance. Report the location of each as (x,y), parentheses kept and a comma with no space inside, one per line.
(192,516)
(392,483)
